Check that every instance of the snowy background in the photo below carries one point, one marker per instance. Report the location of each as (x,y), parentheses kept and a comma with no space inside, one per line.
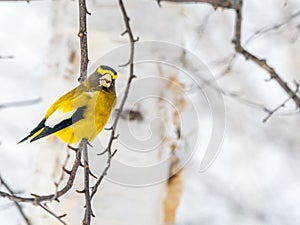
(255,178)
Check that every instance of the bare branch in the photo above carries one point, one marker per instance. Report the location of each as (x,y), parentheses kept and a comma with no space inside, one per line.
(19,207)
(238,6)
(83,74)
(104,173)
(131,76)
(82,34)
(260,62)
(88,208)
(62,176)
(40,200)
(47,198)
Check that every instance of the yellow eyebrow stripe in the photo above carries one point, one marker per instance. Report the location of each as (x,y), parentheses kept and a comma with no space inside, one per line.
(103,71)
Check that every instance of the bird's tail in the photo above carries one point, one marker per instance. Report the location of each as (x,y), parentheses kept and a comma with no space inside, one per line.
(33,136)
(24,139)
(35,132)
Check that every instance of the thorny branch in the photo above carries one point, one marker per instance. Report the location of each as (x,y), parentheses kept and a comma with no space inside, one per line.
(17,204)
(113,128)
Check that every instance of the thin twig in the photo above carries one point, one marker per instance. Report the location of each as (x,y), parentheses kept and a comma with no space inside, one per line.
(64,170)
(267,29)
(131,76)
(44,206)
(19,207)
(104,173)
(282,105)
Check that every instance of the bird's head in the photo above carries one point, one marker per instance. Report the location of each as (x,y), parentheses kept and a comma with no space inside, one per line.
(103,77)
(107,76)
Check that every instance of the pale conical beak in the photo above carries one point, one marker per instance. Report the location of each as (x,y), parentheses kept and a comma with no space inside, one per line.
(105,80)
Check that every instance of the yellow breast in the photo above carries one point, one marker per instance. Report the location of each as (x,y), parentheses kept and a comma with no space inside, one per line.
(99,107)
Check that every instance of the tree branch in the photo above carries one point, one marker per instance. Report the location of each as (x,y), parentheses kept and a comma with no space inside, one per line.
(37,199)
(82,34)
(131,76)
(260,62)
(238,6)
(88,208)
(44,198)
(83,74)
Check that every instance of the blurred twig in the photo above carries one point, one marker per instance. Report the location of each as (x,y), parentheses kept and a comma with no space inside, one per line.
(20,103)
(19,0)
(6,56)
(282,105)
(17,204)
(215,3)
(276,26)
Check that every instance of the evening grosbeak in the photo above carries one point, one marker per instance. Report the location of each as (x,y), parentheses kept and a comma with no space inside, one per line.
(82,112)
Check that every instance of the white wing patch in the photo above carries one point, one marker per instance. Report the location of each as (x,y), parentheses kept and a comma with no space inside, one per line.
(57,117)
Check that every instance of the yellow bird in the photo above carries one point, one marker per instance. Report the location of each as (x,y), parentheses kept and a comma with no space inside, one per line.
(82,112)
